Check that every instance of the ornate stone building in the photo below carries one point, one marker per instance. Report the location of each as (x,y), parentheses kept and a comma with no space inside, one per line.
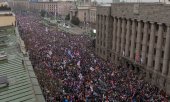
(86,12)
(60,7)
(7,17)
(138,34)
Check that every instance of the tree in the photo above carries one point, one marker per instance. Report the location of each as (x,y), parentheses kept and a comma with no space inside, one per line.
(75,20)
(67,17)
(4,8)
(43,12)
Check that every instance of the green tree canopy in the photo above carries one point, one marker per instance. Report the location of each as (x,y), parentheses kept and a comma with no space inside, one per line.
(43,12)
(75,20)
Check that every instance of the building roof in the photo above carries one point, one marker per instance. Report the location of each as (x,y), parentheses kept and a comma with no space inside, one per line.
(23,85)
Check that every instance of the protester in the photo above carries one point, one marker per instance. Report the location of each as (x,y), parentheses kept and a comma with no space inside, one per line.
(69,71)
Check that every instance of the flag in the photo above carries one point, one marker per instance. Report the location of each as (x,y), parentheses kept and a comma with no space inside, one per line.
(78,63)
(50,73)
(46,64)
(92,69)
(123,53)
(141,60)
(80,76)
(69,53)
(50,53)
(91,88)
(48,56)
(46,29)
(77,53)
(137,57)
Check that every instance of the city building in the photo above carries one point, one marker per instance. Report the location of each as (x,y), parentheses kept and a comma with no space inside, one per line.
(165,1)
(18,81)
(138,34)
(86,12)
(24,4)
(7,18)
(61,7)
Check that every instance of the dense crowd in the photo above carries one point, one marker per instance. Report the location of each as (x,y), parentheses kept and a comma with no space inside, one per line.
(69,71)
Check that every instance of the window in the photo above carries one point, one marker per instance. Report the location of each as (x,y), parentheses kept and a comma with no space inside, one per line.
(97,41)
(156,39)
(104,36)
(141,47)
(162,54)
(154,51)
(146,60)
(148,38)
(164,42)
(100,50)
(160,67)
(104,53)
(97,50)
(101,43)
(153,63)
(104,44)
(142,36)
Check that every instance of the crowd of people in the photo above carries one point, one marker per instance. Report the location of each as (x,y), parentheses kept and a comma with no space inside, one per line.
(69,71)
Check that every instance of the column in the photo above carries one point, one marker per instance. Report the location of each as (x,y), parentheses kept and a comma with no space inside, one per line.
(106,39)
(103,29)
(118,36)
(123,36)
(98,30)
(97,35)
(138,43)
(169,69)
(103,32)
(99,26)
(133,37)
(144,43)
(107,27)
(166,52)
(151,46)
(127,38)
(168,81)
(159,48)
(114,37)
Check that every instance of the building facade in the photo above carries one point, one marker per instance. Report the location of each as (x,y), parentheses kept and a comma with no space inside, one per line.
(86,12)
(7,18)
(92,18)
(138,34)
(60,7)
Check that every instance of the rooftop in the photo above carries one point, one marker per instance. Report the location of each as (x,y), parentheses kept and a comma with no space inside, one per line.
(23,85)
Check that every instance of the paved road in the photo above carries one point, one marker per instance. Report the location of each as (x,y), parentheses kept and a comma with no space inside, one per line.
(72,30)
